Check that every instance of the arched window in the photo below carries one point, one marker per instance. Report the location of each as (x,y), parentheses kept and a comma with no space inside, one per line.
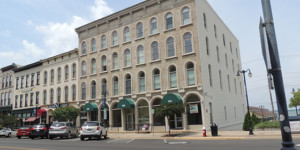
(172,77)
(187,38)
(10,80)
(74,92)
(128,84)
(139,30)
(126,34)
(186,16)
(190,74)
(51,96)
(93,45)
(45,77)
(143,112)
(83,48)
(170,47)
(127,58)
(169,21)
(104,85)
(83,91)
(153,24)
(45,97)
(156,79)
(116,86)
(66,94)
(93,66)
(103,42)
(58,95)
(103,63)
(142,86)
(210,76)
(115,38)
(140,54)
(220,78)
(59,74)
(115,61)
(74,71)
(83,68)
(155,53)
(204,20)
(207,45)
(52,76)
(93,87)
(67,73)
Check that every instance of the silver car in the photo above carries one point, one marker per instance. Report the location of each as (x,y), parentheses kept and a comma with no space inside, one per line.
(5,132)
(93,129)
(62,129)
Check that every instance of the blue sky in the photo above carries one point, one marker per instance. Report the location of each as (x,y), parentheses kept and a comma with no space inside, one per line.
(31,30)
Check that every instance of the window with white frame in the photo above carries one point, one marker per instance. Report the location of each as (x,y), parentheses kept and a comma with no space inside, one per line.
(142,86)
(228,79)
(74,69)
(187,38)
(170,47)
(215,29)
(156,79)
(45,97)
(93,91)
(74,92)
(172,77)
(116,86)
(66,94)
(218,54)
(190,74)
(155,51)
(169,21)
(103,42)
(83,48)
(83,91)
(186,19)
(58,95)
(93,65)
(127,55)
(93,45)
(207,45)
(103,63)
(139,30)
(153,24)
(59,74)
(83,68)
(52,76)
(115,60)
(126,34)
(51,96)
(67,73)
(224,42)
(128,84)
(140,54)
(115,38)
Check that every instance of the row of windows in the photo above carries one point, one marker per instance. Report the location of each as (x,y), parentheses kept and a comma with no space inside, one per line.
(27,83)
(156,84)
(5,99)
(188,48)
(169,20)
(26,96)
(6,82)
(59,74)
(59,97)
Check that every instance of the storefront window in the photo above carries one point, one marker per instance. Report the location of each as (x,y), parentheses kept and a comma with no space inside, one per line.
(195,116)
(116,113)
(157,121)
(143,111)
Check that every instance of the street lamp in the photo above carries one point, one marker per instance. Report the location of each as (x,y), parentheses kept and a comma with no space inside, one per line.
(262,112)
(250,75)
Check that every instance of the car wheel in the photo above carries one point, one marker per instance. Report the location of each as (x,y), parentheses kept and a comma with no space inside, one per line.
(32,138)
(42,137)
(50,137)
(82,138)
(19,137)
(69,135)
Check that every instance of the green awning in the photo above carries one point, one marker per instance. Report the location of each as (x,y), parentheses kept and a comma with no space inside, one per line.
(171,99)
(125,103)
(90,107)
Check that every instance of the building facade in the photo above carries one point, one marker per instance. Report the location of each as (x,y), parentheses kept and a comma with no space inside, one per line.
(155,52)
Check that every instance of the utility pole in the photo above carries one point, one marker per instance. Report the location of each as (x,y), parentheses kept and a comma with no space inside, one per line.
(275,70)
(271,98)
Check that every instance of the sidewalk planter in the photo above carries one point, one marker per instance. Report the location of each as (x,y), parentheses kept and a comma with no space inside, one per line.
(214,129)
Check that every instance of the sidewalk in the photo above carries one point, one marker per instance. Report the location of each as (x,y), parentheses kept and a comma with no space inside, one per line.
(197,135)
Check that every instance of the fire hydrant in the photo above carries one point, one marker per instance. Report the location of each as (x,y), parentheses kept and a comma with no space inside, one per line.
(204,131)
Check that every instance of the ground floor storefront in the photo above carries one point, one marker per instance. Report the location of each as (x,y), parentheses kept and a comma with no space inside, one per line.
(27,117)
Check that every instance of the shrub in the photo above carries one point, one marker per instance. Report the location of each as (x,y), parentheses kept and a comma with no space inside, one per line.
(268,124)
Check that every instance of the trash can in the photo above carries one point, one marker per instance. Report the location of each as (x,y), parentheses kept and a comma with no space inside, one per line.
(214,129)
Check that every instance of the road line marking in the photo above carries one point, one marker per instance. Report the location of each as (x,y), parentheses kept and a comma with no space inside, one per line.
(165,141)
(20,148)
(130,141)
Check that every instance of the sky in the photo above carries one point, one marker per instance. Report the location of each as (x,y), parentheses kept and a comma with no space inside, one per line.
(31,30)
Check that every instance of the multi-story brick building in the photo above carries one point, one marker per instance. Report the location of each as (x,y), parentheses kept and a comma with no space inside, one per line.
(160,51)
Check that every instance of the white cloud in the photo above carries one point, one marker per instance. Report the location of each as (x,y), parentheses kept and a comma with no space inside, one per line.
(100,9)
(32,50)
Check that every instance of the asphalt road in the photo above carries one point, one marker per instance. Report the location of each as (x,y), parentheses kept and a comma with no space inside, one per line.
(136,144)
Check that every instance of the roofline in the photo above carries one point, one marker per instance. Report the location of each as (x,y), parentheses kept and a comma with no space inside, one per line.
(9,67)
(59,55)
(35,64)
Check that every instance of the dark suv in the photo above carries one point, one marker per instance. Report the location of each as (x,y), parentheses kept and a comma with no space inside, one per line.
(41,130)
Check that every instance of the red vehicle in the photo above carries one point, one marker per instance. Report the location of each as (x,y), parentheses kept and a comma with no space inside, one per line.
(23,131)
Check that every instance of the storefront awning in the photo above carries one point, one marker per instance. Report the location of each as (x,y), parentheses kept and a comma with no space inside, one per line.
(171,99)
(125,103)
(31,119)
(40,112)
(90,107)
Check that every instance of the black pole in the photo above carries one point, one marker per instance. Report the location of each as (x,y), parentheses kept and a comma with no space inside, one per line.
(287,141)
(249,117)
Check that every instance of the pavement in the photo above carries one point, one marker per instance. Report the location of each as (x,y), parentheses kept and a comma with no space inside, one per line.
(198,135)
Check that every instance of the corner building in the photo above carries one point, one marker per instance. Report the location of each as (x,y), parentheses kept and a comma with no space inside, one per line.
(160,51)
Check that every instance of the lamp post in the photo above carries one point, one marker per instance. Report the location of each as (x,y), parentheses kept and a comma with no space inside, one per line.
(262,112)
(104,93)
(250,75)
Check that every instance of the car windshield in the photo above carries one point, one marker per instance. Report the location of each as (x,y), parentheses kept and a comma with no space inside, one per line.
(91,124)
(58,124)
(24,127)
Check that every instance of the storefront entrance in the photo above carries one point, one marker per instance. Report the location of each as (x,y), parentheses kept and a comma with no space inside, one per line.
(130,121)
(176,121)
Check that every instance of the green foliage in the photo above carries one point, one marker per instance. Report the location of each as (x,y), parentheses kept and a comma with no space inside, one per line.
(8,121)
(254,120)
(68,113)
(268,124)
(295,100)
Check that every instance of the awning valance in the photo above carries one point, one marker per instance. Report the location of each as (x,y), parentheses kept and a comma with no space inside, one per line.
(125,103)
(90,107)
(40,112)
(31,119)
(171,99)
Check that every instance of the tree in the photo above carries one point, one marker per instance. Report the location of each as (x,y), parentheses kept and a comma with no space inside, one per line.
(295,100)
(8,121)
(68,113)
(167,110)
(254,120)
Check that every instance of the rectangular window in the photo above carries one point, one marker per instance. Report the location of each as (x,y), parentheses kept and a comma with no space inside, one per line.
(157,82)
(128,86)
(26,99)
(38,78)
(191,77)
(153,27)
(173,80)
(16,101)
(141,58)
(17,83)
(142,84)
(32,79)
(27,80)
(21,101)
(22,81)
(31,99)
(74,93)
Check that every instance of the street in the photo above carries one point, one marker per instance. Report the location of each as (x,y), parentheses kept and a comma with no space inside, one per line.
(138,144)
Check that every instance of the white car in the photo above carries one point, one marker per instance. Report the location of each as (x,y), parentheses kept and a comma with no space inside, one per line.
(93,129)
(5,132)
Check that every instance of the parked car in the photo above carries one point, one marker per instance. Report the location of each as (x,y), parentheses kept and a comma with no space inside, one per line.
(62,129)
(23,131)
(93,129)
(5,132)
(41,130)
